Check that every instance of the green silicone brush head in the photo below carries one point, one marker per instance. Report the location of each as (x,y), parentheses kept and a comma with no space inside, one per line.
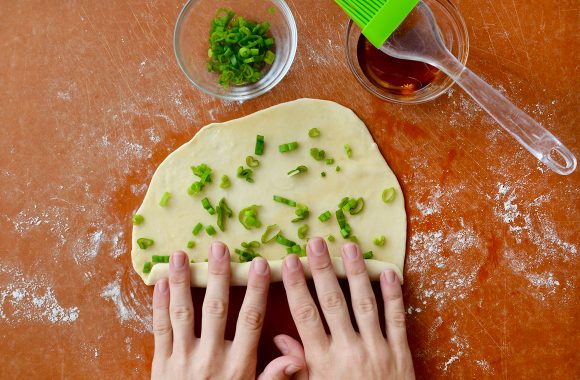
(378,19)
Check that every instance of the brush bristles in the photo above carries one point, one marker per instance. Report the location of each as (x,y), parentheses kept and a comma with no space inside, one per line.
(361,11)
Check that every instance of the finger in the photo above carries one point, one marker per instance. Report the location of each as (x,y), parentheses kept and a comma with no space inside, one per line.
(363,299)
(289,346)
(162,330)
(282,368)
(329,293)
(180,306)
(251,317)
(302,307)
(394,312)
(215,304)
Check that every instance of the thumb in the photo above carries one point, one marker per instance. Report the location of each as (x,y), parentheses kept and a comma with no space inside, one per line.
(282,368)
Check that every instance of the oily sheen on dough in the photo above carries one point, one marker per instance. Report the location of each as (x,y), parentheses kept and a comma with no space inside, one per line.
(224,147)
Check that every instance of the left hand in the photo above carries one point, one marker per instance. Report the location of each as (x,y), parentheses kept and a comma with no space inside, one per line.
(181,355)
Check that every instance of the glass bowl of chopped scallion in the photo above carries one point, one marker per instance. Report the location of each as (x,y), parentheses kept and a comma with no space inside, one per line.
(235,50)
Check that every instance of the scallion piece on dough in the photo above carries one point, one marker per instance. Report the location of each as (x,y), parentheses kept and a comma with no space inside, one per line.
(286,201)
(349,205)
(343,202)
(389,195)
(164,199)
(380,241)
(348,150)
(251,244)
(302,231)
(353,238)
(368,255)
(323,174)
(252,162)
(295,250)
(147,267)
(302,212)
(358,208)
(210,230)
(245,174)
(144,243)
(285,242)
(249,217)
(329,161)
(159,259)
(270,234)
(314,132)
(340,218)
(300,169)
(288,147)
(195,188)
(225,183)
(207,206)
(345,231)
(317,154)
(137,219)
(220,218)
(259,150)
(330,238)
(197,229)
(338,168)
(227,210)
(324,216)
(190,244)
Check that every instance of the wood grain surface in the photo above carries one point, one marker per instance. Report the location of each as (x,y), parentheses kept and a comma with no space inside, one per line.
(92,100)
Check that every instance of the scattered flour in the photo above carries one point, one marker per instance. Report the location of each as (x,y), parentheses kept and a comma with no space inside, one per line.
(31,300)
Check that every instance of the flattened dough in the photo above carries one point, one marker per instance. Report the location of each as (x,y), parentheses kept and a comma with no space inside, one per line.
(224,147)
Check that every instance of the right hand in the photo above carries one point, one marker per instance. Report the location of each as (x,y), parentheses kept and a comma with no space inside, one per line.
(345,353)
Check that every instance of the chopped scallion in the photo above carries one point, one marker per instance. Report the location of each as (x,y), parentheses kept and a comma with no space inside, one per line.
(246,254)
(159,259)
(145,243)
(249,217)
(282,240)
(210,230)
(220,218)
(252,162)
(330,238)
(368,255)
(389,195)
(329,161)
(288,147)
(270,234)
(353,238)
(147,267)
(338,168)
(165,199)
(380,241)
(314,132)
(295,249)
(137,219)
(286,201)
(225,183)
(358,208)
(259,150)
(302,212)
(300,169)
(245,174)
(198,227)
(227,210)
(323,174)
(317,154)
(302,231)
(324,216)
(348,150)
(190,244)
(207,206)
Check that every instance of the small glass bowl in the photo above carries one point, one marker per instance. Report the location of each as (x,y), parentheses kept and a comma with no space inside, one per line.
(190,43)
(455,37)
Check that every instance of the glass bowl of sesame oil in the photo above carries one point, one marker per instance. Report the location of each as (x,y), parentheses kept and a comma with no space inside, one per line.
(402,81)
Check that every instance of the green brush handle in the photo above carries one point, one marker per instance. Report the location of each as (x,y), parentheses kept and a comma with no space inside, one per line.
(387,20)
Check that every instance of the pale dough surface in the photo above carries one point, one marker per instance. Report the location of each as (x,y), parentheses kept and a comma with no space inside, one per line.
(225,146)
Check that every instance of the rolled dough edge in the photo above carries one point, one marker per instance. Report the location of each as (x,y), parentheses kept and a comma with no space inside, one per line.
(239,275)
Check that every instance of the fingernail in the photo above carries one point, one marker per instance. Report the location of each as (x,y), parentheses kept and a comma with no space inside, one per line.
(259,265)
(292,262)
(179,259)
(218,250)
(161,286)
(390,276)
(317,246)
(350,251)
(282,346)
(291,369)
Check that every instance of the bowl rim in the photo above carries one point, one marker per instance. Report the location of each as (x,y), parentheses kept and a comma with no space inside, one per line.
(259,90)
(447,84)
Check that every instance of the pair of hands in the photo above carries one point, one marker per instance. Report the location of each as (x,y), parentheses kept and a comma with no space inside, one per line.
(344,354)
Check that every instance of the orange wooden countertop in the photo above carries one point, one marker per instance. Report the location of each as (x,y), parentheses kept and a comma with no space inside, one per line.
(92,100)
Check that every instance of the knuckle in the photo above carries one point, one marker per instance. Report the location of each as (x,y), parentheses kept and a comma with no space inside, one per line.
(332,302)
(179,278)
(365,305)
(215,307)
(252,318)
(257,288)
(323,267)
(396,319)
(161,327)
(181,313)
(305,313)
(394,297)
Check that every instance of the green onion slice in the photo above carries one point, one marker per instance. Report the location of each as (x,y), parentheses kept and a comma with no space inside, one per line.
(302,231)
(338,168)
(300,169)
(324,216)
(249,217)
(302,212)
(245,174)
(165,199)
(314,132)
(210,230)
(259,150)
(389,195)
(198,227)
(220,218)
(147,267)
(226,208)
(317,154)
(286,201)
(323,174)
(329,161)
(288,147)
(145,243)
(368,255)
(207,206)
(225,182)
(282,240)
(358,208)
(252,162)
(380,241)
(348,150)
(330,238)
(137,219)
(270,234)
(353,238)
(159,259)
(190,244)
